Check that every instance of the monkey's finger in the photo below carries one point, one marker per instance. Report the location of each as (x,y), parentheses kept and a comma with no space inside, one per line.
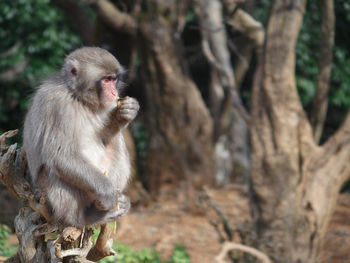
(129,101)
(129,107)
(128,117)
(128,112)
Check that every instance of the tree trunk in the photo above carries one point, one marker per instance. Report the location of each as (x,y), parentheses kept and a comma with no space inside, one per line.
(230,131)
(295,183)
(179,124)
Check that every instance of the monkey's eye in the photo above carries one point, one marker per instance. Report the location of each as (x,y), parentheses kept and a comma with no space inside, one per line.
(109,79)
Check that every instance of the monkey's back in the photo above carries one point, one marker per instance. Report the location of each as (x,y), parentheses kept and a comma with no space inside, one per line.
(43,123)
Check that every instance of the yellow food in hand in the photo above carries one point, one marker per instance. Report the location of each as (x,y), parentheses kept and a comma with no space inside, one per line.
(119,102)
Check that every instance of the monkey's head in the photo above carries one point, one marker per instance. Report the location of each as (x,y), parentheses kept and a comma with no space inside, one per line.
(93,75)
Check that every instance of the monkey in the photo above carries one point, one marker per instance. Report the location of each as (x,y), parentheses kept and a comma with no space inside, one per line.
(76,154)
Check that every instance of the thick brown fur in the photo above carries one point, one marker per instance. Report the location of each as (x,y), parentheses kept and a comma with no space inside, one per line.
(75,149)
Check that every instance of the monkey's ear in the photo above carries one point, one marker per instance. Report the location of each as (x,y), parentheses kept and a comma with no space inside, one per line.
(71,68)
(73,72)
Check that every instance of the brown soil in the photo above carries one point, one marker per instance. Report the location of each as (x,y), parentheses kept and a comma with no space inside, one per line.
(165,223)
(336,248)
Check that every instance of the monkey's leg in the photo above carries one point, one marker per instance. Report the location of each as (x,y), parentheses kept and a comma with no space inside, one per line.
(93,216)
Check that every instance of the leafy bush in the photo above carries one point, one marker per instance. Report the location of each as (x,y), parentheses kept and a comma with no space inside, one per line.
(127,255)
(35,36)
(6,250)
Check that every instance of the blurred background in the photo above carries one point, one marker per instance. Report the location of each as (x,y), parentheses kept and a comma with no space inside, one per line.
(243,132)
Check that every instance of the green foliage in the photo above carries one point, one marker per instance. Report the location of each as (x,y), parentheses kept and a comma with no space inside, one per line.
(139,133)
(35,35)
(260,12)
(179,255)
(307,52)
(127,255)
(307,55)
(6,250)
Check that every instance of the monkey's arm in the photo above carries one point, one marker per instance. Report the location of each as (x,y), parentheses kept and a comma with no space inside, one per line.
(120,117)
(76,171)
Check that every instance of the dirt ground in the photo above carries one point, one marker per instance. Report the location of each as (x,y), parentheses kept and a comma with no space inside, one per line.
(164,223)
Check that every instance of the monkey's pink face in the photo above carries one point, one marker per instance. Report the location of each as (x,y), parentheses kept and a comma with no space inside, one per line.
(109,94)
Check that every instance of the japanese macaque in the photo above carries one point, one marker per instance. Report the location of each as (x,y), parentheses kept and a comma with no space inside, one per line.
(76,152)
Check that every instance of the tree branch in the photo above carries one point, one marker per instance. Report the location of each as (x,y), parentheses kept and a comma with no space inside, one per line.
(214,46)
(248,26)
(335,154)
(228,246)
(114,17)
(81,21)
(103,247)
(320,101)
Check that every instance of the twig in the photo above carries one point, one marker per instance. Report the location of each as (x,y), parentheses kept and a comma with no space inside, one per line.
(228,246)
(229,230)
(103,246)
(3,137)
(81,238)
(79,252)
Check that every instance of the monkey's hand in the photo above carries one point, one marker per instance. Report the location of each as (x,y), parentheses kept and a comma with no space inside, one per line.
(127,110)
(123,204)
(106,202)
(121,209)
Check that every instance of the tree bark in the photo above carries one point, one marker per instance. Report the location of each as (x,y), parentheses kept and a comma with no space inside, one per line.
(295,183)
(230,131)
(320,101)
(79,18)
(179,124)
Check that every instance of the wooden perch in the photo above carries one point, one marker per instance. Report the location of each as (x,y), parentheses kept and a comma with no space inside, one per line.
(72,244)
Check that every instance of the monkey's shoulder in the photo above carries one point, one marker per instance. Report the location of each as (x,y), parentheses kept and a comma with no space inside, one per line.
(51,94)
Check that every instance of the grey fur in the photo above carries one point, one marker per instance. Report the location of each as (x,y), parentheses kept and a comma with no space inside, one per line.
(70,140)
